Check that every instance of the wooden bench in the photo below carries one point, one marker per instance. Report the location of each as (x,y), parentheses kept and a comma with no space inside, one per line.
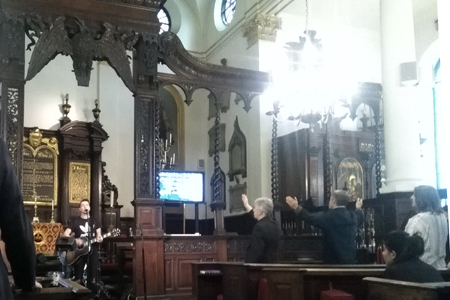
(386,289)
(284,281)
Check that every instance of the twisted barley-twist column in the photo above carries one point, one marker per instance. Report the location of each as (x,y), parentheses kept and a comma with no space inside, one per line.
(157,149)
(274,161)
(217,179)
(378,157)
(327,162)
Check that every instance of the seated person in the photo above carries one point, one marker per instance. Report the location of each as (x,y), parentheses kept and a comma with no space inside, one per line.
(401,253)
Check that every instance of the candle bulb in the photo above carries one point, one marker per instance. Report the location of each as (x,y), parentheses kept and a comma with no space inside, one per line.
(173,158)
(53,204)
(170,138)
(112,198)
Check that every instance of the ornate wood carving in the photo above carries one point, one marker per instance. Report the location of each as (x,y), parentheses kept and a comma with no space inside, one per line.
(12,61)
(71,36)
(223,102)
(212,133)
(141,15)
(179,60)
(81,142)
(14,108)
(237,150)
(192,74)
(144,113)
(223,196)
(189,246)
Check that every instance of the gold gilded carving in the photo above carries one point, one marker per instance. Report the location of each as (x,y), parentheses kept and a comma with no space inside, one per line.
(38,237)
(35,139)
(351,177)
(261,27)
(40,169)
(79,182)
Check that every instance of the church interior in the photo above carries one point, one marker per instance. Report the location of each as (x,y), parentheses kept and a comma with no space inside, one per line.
(162,113)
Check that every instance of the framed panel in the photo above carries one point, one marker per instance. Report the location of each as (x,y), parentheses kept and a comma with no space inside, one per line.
(40,169)
(350,177)
(237,150)
(79,181)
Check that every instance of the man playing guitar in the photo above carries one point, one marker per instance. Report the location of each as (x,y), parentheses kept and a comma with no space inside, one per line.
(86,227)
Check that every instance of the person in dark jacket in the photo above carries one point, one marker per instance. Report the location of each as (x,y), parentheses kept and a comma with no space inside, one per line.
(16,231)
(266,233)
(339,227)
(401,253)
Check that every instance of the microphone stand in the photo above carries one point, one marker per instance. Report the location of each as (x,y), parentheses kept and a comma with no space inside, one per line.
(89,247)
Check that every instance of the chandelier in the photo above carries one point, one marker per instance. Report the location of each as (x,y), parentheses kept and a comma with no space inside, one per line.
(307,95)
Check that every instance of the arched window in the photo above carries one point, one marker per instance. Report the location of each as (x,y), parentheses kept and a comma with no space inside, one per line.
(164,20)
(227,11)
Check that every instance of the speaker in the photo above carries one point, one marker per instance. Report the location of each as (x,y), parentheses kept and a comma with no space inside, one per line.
(408,74)
(65,243)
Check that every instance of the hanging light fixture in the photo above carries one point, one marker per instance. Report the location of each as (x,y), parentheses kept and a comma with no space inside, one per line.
(308,100)
(307,52)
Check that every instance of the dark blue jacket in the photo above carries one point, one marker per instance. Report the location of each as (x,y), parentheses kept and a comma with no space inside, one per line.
(339,227)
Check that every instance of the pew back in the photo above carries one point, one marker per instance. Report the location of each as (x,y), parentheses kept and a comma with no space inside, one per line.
(386,289)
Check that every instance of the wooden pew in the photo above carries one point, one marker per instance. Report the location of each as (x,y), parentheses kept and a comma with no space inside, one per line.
(284,281)
(308,283)
(386,289)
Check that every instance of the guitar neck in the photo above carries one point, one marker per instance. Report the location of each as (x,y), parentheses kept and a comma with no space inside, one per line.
(94,240)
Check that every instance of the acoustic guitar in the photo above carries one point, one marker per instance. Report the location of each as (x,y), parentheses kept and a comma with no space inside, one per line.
(73,256)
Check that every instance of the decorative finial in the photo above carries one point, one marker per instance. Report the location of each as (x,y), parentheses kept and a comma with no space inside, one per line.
(66,107)
(96,111)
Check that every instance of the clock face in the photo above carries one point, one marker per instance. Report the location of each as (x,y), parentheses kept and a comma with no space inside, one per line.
(164,20)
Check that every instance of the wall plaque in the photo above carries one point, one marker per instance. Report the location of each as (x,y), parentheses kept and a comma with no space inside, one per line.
(79,182)
(40,169)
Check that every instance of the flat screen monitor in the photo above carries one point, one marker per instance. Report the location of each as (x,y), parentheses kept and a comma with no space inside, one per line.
(182,186)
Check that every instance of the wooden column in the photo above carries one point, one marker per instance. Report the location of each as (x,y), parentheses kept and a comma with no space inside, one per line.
(12,54)
(148,258)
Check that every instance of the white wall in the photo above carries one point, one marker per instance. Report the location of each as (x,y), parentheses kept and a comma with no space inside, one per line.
(350,35)
(44,96)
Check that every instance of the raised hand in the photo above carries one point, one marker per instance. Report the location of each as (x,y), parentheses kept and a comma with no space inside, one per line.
(292,202)
(359,203)
(247,206)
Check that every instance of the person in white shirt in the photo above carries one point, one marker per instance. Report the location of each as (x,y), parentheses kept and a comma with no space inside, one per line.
(430,223)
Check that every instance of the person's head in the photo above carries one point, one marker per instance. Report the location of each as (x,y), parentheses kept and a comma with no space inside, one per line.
(338,198)
(426,199)
(84,206)
(263,208)
(400,246)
